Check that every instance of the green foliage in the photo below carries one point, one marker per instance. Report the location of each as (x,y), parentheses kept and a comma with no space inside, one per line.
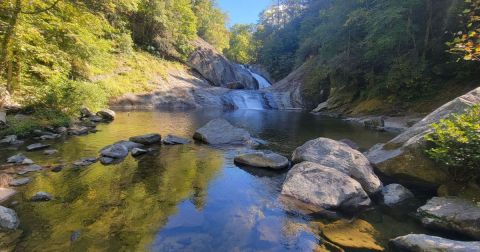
(467,41)
(457,144)
(38,120)
(211,24)
(242,45)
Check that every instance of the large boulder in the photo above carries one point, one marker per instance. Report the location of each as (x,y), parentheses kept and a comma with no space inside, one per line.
(263,159)
(116,151)
(423,243)
(324,187)
(8,219)
(219,131)
(341,157)
(395,194)
(404,157)
(147,139)
(221,72)
(106,114)
(451,214)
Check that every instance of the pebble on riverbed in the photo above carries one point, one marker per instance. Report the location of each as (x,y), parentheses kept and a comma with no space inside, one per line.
(20,182)
(41,196)
(8,219)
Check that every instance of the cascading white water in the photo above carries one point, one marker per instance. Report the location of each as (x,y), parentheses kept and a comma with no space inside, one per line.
(245,99)
(262,82)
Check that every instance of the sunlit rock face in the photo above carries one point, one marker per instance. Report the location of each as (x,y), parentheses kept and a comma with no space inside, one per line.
(404,157)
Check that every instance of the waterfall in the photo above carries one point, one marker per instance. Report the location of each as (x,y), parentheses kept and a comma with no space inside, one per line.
(245,99)
(262,82)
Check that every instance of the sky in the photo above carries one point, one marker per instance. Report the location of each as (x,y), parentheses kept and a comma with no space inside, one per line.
(243,11)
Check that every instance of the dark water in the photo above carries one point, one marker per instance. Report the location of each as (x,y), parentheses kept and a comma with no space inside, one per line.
(183,198)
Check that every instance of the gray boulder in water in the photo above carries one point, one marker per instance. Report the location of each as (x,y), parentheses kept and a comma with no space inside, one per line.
(8,219)
(147,139)
(324,187)
(175,140)
(423,243)
(219,132)
(107,114)
(451,214)
(263,159)
(116,151)
(404,156)
(37,146)
(41,196)
(341,157)
(395,194)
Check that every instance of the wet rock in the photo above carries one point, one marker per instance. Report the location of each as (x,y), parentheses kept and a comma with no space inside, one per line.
(263,159)
(109,160)
(174,140)
(27,161)
(324,187)
(6,194)
(78,130)
(50,152)
(116,151)
(85,162)
(136,152)
(404,157)
(321,107)
(29,168)
(106,114)
(8,219)
(357,234)
(20,182)
(127,144)
(451,214)
(50,136)
(37,146)
(95,119)
(17,159)
(395,194)
(341,157)
(219,131)
(8,140)
(41,196)
(423,243)
(147,139)
(85,113)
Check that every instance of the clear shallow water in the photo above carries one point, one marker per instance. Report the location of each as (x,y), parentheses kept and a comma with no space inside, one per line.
(183,198)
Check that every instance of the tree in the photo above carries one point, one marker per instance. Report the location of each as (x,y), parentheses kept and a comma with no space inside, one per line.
(467,42)
(211,25)
(242,45)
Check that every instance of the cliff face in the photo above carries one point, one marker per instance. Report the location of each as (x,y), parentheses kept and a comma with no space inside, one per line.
(217,69)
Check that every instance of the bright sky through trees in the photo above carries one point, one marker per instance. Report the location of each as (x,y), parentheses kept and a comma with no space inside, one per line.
(243,11)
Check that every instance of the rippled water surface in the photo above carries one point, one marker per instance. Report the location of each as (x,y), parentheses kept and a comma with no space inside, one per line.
(183,198)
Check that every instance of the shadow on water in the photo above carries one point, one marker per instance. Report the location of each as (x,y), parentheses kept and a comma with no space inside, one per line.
(182,198)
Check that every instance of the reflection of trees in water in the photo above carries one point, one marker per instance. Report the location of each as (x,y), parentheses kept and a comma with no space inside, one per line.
(116,208)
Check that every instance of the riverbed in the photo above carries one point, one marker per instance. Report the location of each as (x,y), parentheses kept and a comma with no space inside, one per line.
(186,197)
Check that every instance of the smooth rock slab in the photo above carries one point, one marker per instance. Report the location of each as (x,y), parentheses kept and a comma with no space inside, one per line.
(37,146)
(29,168)
(357,234)
(41,196)
(451,214)
(220,131)
(424,243)
(324,187)
(8,219)
(19,182)
(395,194)
(175,140)
(341,157)
(263,159)
(147,139)
(6,194)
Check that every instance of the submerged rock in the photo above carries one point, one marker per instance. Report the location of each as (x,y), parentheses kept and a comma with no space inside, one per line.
(50,152)
(37,146)
(147,139)
(6,194)
(19,182)
(263,159)
(451,214)
(174,140)
(404,157)
(78,130)
(341,157)
(8,219)
(394,194)
(29,168)
(58,168)
(324,187)
(219,131)
(84,162)
(41,196)
(357,234)
(106,114)
(424,243)
(375,123)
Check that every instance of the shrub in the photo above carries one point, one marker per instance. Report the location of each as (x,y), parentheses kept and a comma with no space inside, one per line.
(456,144)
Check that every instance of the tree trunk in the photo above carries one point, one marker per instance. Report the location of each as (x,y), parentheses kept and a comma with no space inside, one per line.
(6,57)
(428,29)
